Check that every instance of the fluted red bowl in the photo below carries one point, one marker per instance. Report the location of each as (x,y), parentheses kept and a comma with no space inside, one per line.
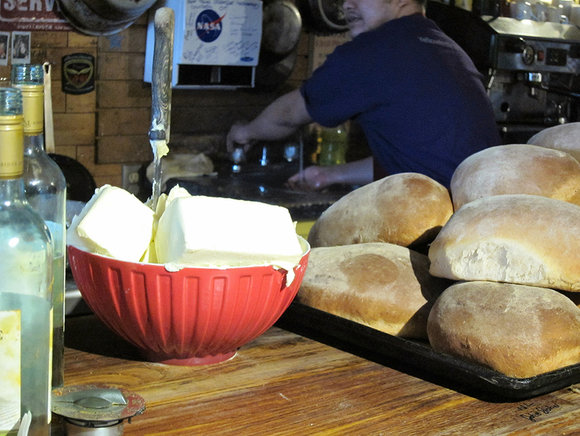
(194,316)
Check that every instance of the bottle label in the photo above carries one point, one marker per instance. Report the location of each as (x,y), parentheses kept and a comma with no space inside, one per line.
(10,346)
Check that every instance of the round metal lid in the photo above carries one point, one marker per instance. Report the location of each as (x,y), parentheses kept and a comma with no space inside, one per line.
(97,404)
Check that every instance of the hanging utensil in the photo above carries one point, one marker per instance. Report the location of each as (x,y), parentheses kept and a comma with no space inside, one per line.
(324,17)
(48,119)
(164,23)
(102,17)
(281,29)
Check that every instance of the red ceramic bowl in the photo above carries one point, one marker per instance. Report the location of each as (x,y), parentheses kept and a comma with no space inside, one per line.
(194,316)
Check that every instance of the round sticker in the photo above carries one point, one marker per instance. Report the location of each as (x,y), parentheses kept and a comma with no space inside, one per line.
(208,25)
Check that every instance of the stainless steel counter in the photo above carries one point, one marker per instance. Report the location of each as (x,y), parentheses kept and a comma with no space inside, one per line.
(265,185)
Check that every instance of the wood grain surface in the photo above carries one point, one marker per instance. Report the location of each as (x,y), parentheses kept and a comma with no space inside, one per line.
(285,384)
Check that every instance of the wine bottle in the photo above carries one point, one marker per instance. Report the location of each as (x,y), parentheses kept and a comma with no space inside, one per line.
(25,288)
(45,188)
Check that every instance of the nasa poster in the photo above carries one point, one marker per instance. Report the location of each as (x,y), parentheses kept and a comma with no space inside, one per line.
(222,32)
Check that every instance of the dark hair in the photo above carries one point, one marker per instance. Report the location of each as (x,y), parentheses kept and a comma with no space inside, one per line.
(422,2)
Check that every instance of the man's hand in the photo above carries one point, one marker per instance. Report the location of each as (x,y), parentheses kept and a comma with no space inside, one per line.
(238,136)
(312,178)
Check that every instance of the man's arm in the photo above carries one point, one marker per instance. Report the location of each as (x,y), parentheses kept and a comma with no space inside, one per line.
(277,121)
(358,172)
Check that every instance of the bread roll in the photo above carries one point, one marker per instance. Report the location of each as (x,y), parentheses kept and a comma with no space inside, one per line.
(517,238)
(564,137)
(516,169)
(404,209)
(520,331)
(381,285)
(574,296)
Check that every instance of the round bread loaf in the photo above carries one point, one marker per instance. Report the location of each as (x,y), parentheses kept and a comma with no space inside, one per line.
(381,285)
(406,209)
(516,169)
(562,137)
(516,238)
(520,331)
(574,296)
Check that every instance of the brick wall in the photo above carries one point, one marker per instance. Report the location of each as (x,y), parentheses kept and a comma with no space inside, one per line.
(108,127)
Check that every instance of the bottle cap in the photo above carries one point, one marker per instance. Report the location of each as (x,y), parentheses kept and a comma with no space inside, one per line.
(95,406)
(10,102)
(27,74)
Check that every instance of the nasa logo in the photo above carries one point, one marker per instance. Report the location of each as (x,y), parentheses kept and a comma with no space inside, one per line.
(208,25)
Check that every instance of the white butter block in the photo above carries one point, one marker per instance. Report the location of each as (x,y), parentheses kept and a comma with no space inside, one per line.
(177,191)
(224,232)
(113,223)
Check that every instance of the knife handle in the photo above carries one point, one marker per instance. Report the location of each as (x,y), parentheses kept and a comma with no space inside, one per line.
(164,23)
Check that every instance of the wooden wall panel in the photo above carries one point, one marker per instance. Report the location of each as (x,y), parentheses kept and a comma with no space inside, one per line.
(124,149)
(123,94)
(121,66)
(74,129)
(123,121)
(83,103)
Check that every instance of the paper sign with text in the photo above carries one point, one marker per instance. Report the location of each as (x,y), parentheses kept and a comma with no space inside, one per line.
(31,15)
(222,32)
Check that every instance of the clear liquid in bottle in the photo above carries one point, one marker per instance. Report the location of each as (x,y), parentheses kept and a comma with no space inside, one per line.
(25,289)
(45,188)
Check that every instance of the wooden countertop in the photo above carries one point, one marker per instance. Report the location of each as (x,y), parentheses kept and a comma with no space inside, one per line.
(285,384)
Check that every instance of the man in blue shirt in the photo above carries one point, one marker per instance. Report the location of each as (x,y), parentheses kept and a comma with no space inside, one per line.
(415,93)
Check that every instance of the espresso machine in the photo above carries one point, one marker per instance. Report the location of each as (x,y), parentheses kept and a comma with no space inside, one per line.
(531,69)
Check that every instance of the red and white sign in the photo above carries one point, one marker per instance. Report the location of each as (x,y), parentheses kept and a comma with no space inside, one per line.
(31,15)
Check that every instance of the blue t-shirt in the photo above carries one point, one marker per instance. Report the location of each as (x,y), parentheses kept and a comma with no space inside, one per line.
(415,93)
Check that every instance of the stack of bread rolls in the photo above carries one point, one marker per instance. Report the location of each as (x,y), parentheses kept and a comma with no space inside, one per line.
(360,266)
(502,267)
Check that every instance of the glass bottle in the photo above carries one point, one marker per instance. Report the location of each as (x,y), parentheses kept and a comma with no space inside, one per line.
(25,288)
(45,188)
(333,146)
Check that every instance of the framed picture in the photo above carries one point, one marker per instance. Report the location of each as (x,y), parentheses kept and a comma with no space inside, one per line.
(4,47)
(20,47)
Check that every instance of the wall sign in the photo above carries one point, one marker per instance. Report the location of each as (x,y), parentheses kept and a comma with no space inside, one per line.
(78,73)
(31,15)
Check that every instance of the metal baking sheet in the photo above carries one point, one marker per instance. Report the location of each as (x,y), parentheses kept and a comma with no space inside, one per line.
(418,359)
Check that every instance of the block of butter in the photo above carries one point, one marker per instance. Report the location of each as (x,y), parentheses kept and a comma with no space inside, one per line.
(114,223)
(225,232)
(164,200)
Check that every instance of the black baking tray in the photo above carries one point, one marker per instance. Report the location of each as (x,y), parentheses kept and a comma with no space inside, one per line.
(418,359)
